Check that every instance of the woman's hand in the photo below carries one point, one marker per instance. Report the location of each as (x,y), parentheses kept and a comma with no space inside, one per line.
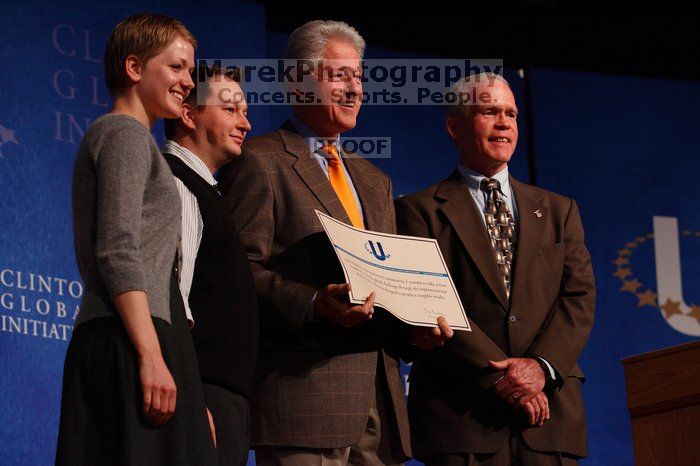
(159,390)
(157,384)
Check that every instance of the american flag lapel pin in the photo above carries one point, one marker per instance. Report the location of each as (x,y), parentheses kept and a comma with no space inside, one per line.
(538,213)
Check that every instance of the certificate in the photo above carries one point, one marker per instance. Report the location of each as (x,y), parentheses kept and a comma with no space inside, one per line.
(407,274)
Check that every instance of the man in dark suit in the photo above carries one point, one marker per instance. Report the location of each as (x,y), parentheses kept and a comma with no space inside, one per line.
(509,392)
(215,277)
(327,388)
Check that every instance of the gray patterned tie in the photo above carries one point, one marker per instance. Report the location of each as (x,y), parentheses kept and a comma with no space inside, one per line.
(501,229)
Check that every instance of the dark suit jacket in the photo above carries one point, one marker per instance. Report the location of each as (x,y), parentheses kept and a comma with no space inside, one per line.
(315,380)
(550,314)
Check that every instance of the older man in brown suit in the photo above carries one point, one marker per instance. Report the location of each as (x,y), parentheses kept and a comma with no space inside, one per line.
(509,392)
(327,389)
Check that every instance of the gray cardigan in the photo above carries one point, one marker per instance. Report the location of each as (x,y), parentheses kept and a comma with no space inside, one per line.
(126,217)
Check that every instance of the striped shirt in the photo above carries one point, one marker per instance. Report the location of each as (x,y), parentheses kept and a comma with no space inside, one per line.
(192,223)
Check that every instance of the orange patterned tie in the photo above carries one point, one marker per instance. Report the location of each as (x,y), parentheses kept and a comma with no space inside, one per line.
(340,184)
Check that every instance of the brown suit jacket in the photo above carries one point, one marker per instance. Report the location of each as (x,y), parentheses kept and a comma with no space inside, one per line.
(315,380)
(550,314)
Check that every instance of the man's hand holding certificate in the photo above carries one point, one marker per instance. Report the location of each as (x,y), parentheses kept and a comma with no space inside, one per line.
(407,275)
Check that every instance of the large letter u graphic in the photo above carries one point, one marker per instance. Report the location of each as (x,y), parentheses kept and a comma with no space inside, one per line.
(668,274)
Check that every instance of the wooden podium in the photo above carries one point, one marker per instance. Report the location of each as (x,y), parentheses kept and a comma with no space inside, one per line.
(663,396)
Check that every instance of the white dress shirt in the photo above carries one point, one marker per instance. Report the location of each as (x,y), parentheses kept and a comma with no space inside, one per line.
(192,223)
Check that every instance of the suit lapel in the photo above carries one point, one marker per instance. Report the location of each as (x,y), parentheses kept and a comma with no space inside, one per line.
(461,211)
(368,194)
(311,173)
(531,219)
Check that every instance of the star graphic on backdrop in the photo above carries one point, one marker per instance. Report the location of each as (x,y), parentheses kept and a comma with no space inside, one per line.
(648,298)
(6,136)
(695,312)
(671,307)
(631,285)
(621,261)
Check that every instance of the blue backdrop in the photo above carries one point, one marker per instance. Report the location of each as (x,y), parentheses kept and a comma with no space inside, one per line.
(625,149)
(622,147)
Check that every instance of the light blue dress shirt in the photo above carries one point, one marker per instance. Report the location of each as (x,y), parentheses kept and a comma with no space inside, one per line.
(473,181)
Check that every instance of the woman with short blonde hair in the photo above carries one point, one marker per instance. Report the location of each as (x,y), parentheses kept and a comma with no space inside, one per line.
(131,386)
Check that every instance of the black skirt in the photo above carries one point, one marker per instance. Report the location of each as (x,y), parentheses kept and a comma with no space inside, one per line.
(102,421)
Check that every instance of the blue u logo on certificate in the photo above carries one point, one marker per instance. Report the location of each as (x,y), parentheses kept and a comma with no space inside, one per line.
(379,255)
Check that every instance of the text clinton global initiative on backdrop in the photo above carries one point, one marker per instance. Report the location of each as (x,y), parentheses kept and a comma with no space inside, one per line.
(38,305)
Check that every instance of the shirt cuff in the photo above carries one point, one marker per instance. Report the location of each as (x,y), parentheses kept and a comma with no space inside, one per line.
(550,369)
(309,317)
